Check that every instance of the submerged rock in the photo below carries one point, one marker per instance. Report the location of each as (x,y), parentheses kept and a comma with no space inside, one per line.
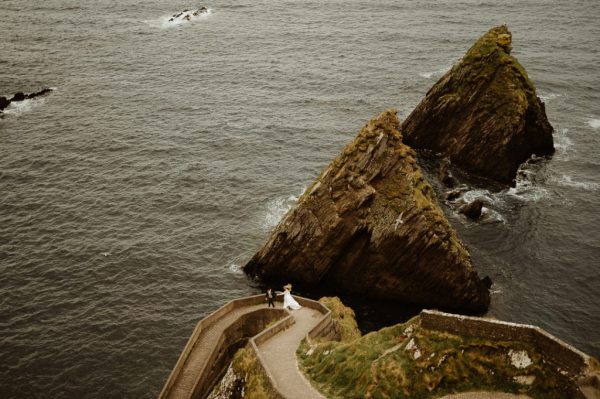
(370,224)
(20,96)
(453,194)
(188,15)
(472,209)
(4,102)
(484,113)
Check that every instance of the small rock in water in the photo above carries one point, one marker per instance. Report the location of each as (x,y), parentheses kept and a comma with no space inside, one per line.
(472,210)
(20,96)
(453,194)
(4,102)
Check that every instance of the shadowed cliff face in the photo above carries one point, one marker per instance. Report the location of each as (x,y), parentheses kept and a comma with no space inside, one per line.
(370,225)
(484,114)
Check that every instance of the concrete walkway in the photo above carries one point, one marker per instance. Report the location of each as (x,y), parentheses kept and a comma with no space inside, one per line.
(205,344)
(279,353)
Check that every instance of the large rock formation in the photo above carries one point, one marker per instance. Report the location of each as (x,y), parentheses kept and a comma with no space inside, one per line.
(370,225)
(484,113)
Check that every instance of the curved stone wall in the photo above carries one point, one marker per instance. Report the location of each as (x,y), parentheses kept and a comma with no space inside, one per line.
(248,327)
(563,355)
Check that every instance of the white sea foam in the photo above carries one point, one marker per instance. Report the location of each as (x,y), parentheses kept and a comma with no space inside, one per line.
(567,181)
(21,107)
(234,268)
(472,195)
(165,20)
(278,207)
(547,97)
(562,142)
(491,216)
(435,74)
(525,189)
(594,123)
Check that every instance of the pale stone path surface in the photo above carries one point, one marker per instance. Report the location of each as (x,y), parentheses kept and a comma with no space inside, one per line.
(485,395)
(279,354)
(205,344)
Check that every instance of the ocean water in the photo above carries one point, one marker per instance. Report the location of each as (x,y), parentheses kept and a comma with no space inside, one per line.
(132,194)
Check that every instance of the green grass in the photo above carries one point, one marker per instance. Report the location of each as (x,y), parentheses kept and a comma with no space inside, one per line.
(378,365)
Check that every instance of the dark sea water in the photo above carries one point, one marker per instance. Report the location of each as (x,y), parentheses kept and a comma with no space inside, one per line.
(130,196)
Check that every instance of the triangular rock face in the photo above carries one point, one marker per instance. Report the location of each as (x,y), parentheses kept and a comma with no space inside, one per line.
(370,225)
(484,113)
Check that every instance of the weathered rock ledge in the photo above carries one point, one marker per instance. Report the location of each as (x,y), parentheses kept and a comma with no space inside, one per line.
(484,113)
(370,224)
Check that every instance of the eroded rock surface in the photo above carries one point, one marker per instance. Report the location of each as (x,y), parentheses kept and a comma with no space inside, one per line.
(484,113)
(370,225)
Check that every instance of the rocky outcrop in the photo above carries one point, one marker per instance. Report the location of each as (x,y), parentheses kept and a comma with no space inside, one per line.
(20,96)
(484,113)
(188,15)
(370,225)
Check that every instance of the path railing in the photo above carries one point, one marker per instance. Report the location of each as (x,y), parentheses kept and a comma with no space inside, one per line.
(220,357)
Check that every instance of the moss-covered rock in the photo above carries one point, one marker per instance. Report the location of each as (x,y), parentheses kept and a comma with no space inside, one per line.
(244,379)
(410,361)
(484,113)
(370,224)
(343,317)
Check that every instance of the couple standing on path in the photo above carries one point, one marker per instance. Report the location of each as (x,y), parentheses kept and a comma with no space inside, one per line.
(288,300)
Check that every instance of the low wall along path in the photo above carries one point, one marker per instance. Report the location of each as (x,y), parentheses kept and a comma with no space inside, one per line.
(217,337)
(275,334)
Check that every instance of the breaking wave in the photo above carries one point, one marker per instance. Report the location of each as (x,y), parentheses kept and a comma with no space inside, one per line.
(278,207)
(435,74)
(547,97)
(594,123)
(169,21)
(567,181)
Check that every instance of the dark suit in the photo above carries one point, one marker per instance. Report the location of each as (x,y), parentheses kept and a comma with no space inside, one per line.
(271,295)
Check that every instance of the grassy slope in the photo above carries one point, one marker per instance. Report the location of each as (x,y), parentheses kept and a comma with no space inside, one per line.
(408,361)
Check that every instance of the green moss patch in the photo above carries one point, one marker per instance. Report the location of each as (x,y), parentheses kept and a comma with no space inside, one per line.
(409,361)
(343,317)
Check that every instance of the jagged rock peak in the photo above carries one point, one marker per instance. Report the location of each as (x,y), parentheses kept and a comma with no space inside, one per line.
(370,224)
(484,113)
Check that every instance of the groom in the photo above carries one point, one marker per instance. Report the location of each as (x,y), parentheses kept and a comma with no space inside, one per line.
(270,297)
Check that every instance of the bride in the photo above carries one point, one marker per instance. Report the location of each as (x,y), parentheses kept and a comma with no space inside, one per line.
(288,301)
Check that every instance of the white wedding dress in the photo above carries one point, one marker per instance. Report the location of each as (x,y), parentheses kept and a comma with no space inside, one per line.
(289,302)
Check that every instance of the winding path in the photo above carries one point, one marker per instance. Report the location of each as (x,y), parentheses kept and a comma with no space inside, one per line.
(279,353)
(210,346)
